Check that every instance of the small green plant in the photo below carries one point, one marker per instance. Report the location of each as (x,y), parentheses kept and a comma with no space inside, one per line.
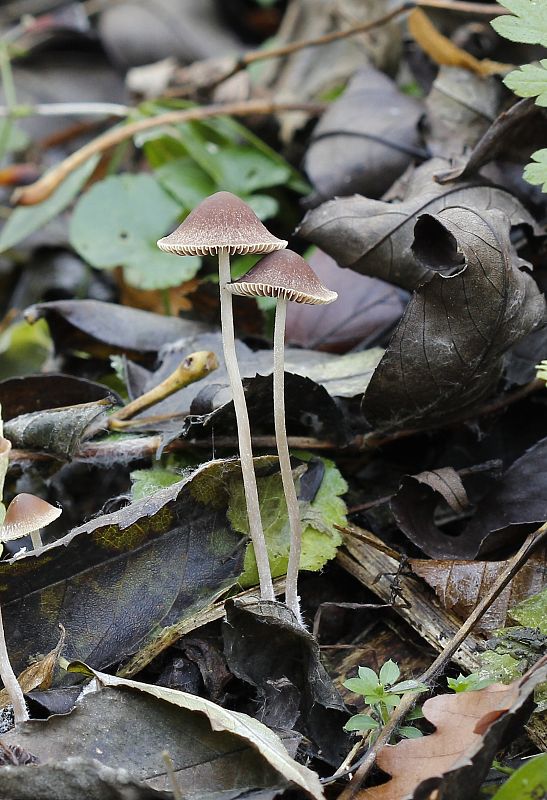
(527,23)
(468,683)
(382,693)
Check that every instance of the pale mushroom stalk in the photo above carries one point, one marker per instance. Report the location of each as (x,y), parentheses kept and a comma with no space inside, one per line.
(284,275)
(243,430)
(293,511)
(9,679)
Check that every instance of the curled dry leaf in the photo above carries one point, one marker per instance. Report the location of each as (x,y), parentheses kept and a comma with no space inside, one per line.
(470,729)
(460,585)
(365,139)
(446,354)
(38,675)
(39,392)
(514,507)
(375,238)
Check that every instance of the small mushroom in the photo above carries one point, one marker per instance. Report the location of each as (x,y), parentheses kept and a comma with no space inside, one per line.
(286,276)
(25,516)
(224,225)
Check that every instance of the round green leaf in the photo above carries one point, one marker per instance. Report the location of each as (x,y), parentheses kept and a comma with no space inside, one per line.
(389,673)
(527,783)
(118,222)
(361,722)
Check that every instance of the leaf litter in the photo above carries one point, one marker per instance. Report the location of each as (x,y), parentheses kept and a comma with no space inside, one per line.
(400,398)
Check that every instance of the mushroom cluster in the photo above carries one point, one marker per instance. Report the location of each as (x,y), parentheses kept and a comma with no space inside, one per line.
(224,225)
(25,516)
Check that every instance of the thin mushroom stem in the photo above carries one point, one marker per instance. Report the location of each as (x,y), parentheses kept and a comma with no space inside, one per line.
(291,587)
(11,684)
(243,430)
(36,539)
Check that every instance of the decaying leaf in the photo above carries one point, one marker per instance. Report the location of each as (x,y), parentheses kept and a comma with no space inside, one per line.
(32,393)
(365,139)
(375,238)
(74,778)
(266,648)
(514,507)
(446,353)
(118,581)
(365,311)
(212,749)
(58,431)
(470,729)
(38,675)
(102,329)
(460,585)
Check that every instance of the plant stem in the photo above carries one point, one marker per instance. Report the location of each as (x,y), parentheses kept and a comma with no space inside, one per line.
(11,684)
(9,93)
(291,593)
(243,431)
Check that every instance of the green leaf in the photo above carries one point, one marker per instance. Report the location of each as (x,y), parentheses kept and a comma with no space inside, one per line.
(361,722)
(359,686)
(469,683)
(145,482)
(528,25)
(391,700)
(263,205)
(409,732)
(27,219)
(24,348)
(244,170)
(186,181)
(527,783)
(118,222)
(415,713)
(16,138)
(368,674)
(389,673)
(320,539)
(536,171)
(530,80)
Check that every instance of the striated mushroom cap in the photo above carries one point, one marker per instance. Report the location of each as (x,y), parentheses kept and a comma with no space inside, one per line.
(222,221)
(283,274)
(27,513)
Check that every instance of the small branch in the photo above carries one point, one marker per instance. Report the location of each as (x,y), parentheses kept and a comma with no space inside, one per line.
(66,110)
(513,566)
(46,185)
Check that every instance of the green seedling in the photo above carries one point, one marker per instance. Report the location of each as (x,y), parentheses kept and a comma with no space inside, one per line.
(468,683)
(383,694)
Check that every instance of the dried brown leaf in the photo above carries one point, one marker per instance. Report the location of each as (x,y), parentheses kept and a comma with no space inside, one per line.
(38,675)
(470,728)
(460,585)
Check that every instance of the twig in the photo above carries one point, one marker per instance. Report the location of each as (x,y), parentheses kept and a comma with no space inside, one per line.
(443,658)
(66,110)
(46,185)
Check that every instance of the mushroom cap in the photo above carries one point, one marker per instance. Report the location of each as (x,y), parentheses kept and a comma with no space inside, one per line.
(221,221)
(283,274)
(27,513)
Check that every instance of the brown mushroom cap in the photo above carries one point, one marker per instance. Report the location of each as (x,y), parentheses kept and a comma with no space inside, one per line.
(283,274)
(222,221)
(27,513)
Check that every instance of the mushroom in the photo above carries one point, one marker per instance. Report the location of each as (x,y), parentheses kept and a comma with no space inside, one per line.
(286,276)
(26,514)
(224,225)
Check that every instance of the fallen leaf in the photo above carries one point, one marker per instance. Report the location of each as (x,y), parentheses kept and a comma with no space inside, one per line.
(513,136)
(442,50)
(117,582)
(366,310)
(102,329)
(365,139)
(470,729)
(32,393)
(212,749)
(38,675)
(58,431)
(72,779)
(514,507)
(266,648)
(375,238)
(460,585)
(446,354)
